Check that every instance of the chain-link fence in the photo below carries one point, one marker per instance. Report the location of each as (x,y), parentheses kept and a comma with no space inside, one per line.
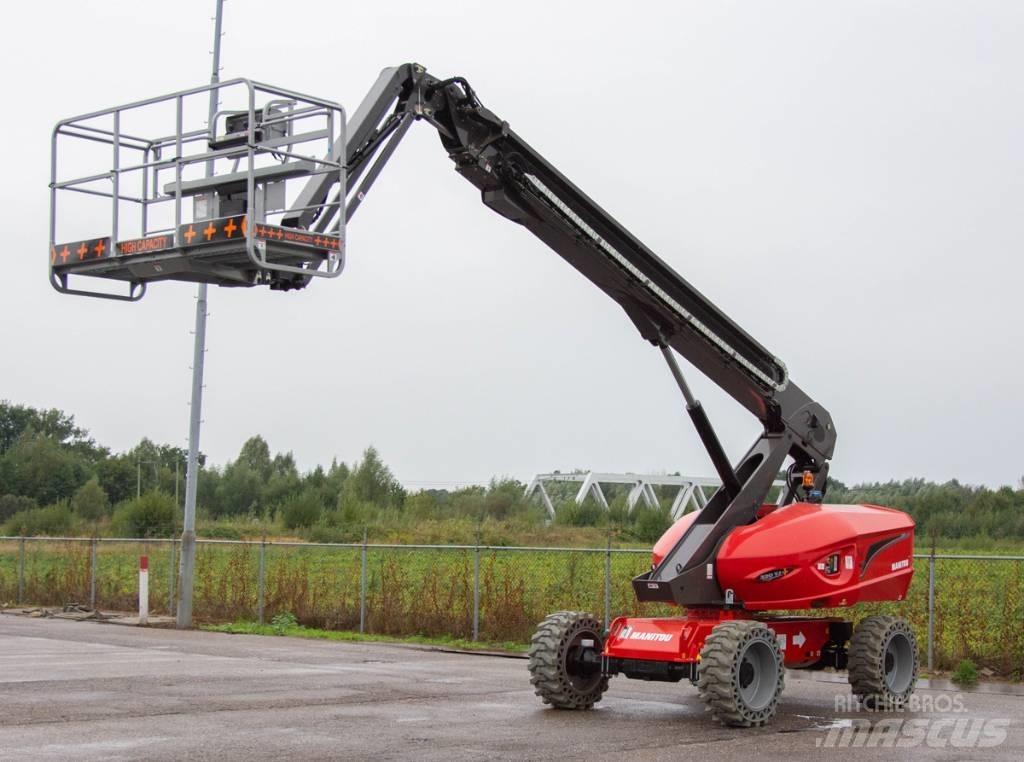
(961,606)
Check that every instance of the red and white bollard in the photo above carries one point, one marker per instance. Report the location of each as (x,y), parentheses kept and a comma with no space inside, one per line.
(143,589)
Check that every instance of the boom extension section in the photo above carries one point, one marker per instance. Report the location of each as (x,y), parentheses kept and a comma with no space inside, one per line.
(517,182)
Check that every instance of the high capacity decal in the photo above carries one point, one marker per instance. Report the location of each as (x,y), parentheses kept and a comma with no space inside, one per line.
(148,245)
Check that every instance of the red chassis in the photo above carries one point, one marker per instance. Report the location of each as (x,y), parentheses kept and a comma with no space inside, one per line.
(801,556)
(644,647)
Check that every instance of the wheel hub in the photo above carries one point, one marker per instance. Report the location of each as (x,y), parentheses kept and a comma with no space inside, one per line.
(582,669)
(757,675)
(899,663)
(746,673)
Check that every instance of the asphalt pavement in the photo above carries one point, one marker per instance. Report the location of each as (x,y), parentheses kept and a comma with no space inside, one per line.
(86,690)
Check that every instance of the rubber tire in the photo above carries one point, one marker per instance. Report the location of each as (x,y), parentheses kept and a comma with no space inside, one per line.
(548,648)
(866,665)
(718,677)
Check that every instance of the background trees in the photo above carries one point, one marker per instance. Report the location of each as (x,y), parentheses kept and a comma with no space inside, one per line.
(55,479)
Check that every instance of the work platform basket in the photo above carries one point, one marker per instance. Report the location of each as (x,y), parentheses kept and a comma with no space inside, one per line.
(158,190)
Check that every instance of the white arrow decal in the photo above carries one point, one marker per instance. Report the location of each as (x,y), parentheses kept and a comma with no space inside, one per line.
(799,640)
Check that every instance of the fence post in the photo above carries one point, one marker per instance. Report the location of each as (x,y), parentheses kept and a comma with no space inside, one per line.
(608,583)
(92,574)
(362,587)
(143,590)
(172,582)
(931,610)
(261,584)
(21,571)
(476,590)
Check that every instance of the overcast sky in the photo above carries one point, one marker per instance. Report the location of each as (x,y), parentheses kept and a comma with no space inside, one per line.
(846,180)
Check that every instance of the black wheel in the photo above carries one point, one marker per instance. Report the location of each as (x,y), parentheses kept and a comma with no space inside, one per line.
(565,660)
(741,673)
(883,662)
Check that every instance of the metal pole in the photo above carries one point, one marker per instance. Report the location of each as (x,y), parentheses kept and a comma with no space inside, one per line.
(92,575)
(476,591)
(262,581)
(931,611)
(173,576)
(138,478)
(21,571)
(362,588)
(172,570)
(608,583)
(188,535)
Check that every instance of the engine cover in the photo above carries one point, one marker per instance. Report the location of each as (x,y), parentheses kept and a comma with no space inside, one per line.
(808,555)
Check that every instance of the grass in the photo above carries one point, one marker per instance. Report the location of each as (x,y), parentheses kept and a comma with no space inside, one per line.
(425,593)
(347,636)
(966,674)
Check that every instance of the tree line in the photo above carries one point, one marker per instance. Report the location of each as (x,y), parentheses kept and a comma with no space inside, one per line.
(55,479)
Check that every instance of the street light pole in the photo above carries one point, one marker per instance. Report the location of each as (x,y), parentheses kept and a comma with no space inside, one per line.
(188,534)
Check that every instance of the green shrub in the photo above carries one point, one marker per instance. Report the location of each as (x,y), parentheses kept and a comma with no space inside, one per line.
(53,520)
(323,531)
(302,511)
(586,514)
(12,504)
(618,512)
(154,514)
(351,512)
(966,674)
(283,622)
(421,506)
(650,523)
(90,501)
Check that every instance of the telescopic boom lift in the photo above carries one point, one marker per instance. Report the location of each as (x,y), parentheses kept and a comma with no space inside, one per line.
(737,556)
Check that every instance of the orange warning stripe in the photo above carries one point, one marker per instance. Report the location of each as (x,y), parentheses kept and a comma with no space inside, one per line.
(237,228)
(77,251)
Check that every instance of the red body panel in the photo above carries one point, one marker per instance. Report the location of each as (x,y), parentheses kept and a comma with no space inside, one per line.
(873,547)
(781,561)
(802,555)
(680,639)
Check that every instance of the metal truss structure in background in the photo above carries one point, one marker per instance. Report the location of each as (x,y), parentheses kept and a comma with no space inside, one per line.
(692,492)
